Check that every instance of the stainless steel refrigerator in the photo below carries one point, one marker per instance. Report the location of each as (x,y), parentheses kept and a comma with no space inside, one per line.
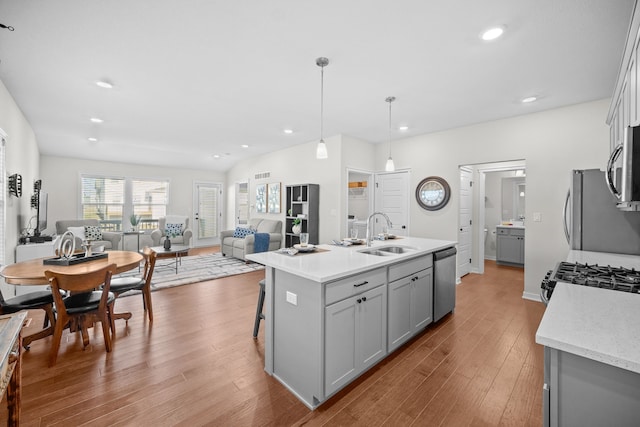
(593,222)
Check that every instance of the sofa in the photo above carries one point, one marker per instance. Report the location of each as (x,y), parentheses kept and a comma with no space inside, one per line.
(84,229)
(240,247)
(172,221)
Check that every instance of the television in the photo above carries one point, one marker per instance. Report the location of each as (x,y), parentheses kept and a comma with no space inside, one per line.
(41,215)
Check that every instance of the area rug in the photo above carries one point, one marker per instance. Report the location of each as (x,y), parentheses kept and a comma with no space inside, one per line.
(195,269)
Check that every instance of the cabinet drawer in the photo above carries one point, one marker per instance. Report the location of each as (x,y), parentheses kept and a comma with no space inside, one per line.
(407,268)
(344,288)
(503,231)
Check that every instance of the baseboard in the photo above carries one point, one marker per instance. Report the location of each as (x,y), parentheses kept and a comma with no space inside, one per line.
(531,296)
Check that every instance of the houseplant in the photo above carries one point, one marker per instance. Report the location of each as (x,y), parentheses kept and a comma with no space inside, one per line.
(134,220)
(296,227)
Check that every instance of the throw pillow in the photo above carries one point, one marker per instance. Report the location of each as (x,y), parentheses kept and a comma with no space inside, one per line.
(92,232)
(77,231)
(173,230)
(242,232)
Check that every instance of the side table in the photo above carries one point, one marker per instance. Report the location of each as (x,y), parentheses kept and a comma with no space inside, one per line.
(131,233)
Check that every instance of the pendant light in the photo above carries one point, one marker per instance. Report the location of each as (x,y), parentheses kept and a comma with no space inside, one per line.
(390,167)
(321,149)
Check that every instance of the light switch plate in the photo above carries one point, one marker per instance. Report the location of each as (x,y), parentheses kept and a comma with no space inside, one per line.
(537,217)
(292,298)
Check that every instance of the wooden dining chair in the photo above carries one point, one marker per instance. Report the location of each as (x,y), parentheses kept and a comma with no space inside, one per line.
(120,285)
(83,305)
(39,300)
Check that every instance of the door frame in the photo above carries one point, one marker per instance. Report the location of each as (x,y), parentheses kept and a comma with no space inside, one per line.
(195,226)
(478,231)
(370,193)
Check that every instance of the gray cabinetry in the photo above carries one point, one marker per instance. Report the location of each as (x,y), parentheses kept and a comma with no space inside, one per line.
(302,202)
(584,392)
(410,299)
(510,246)
(356,334)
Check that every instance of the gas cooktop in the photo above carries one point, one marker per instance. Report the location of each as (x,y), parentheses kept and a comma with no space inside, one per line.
(607,277)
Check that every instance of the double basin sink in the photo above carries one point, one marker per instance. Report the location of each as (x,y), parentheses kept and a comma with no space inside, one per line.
(387,250)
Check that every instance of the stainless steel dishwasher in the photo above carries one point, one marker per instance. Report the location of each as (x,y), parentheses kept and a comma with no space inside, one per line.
(444,282)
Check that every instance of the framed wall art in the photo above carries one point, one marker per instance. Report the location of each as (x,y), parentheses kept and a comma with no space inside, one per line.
(261,198)
(273,198)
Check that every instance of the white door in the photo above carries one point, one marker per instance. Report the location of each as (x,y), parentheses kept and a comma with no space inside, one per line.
(392,198)
(464,229)
(242,203)
(207,214)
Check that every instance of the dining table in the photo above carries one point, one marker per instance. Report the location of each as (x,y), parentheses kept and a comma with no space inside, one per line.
(31,272)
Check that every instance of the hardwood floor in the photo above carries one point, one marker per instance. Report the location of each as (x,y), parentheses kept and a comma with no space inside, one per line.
(199,365)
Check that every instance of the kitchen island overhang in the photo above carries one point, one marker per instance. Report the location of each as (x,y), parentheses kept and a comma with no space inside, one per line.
(316,302)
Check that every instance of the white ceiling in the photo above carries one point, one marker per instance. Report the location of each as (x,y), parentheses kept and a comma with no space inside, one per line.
(197,78)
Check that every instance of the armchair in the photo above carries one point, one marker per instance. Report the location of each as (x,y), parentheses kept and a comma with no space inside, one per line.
(108,239)
(170,221)
(239,247)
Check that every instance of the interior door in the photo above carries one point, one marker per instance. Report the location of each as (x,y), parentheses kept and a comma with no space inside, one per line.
(242,203)
(392,198)
(207,214)
(465,225)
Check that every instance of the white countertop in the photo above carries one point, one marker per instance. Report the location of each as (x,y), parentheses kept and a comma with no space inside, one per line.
(510,226)
(599,324)
(338,261)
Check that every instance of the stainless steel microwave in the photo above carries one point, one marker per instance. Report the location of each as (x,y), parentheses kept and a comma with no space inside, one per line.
(624,180)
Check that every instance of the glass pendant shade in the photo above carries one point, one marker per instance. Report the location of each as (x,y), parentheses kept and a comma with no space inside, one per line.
(321,150)
(389,167)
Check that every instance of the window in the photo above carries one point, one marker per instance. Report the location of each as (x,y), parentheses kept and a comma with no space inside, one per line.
(3,207)
(103,199)
(112,200)
(149,201)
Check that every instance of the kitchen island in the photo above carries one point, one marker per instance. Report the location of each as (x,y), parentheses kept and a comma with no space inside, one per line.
(332,314)
(592,350)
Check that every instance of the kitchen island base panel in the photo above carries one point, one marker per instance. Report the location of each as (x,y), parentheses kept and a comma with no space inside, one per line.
(585,392)
(297,320)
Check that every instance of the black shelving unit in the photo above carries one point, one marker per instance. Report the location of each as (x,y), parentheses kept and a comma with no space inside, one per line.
(302,199)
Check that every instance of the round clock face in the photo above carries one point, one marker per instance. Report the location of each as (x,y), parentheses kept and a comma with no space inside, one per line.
(433,193)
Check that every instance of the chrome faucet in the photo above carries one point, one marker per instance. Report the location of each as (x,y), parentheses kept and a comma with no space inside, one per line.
(389,224)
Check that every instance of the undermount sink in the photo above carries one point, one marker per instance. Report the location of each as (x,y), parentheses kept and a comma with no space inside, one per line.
(386,250)
(396,249)
(377,252)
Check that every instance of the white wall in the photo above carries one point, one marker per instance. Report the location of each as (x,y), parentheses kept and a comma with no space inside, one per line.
(61,179)
(294,165)
(552,143)
(22,157)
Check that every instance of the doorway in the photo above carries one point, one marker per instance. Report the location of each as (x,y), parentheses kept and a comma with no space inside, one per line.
(487,208)
(207,208)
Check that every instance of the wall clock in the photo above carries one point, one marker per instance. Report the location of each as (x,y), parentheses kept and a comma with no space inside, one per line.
(433,193)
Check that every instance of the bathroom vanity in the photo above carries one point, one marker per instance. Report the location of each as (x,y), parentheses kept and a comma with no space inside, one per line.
(332,314)
(510,245)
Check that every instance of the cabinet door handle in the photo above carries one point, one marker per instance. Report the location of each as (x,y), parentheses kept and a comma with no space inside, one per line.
(361,284)
(364,299)
(359,300)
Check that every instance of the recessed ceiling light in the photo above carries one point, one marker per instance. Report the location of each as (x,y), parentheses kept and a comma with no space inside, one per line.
(104,84)
(403,128)
(529,99)
(92,139)
(288,131)
(492,33)
(216,156)
(96,120)
(244,146)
